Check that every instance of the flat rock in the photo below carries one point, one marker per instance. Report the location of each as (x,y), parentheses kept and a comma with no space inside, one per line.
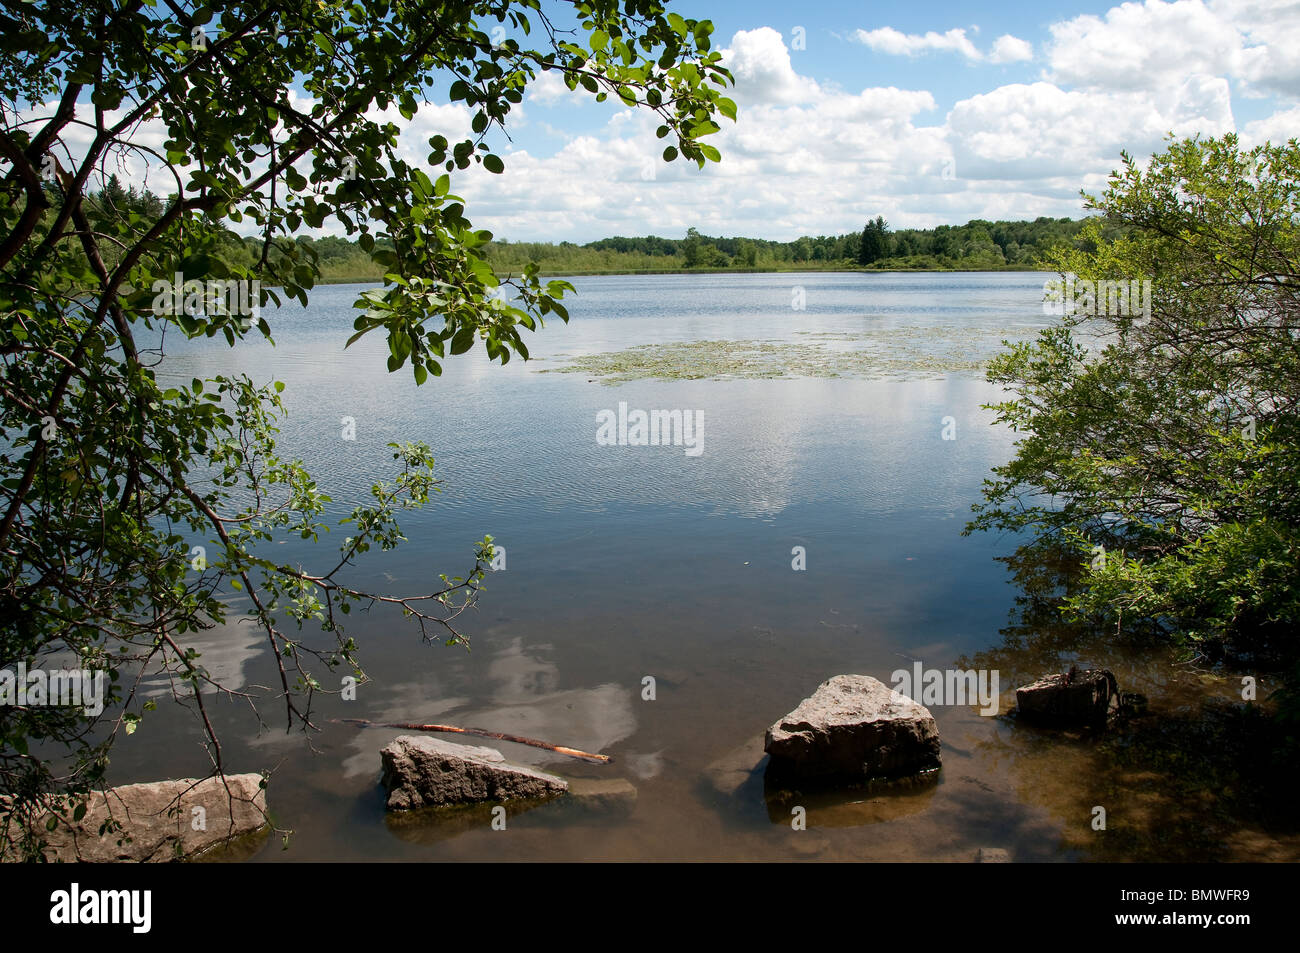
(429,772)
(160,821)
(992,855)
(853,728)
(1081,699)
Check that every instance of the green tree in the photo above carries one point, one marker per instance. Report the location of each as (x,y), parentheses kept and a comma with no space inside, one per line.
(692,249)
(1162,444)
(714,257)
(267,119)
(875,242)
(113,196)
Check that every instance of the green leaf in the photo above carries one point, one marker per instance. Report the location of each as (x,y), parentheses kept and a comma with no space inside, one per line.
(462,341)
(493,164)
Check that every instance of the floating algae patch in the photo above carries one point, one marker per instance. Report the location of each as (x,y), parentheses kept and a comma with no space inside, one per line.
(884,353)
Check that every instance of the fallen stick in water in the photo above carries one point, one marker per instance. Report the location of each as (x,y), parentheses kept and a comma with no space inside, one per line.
(452,729)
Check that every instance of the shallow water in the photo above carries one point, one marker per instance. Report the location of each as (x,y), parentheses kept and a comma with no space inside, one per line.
(625,562)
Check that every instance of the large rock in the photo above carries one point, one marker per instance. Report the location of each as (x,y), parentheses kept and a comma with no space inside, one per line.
(430,772)
(852,729)
(160,821)
(1075,699)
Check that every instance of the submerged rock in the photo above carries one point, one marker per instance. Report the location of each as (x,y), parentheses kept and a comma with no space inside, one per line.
(609,796)
(1074,699)
(429,772)
(437,825)
(852,729)
(159,821)
(739,773)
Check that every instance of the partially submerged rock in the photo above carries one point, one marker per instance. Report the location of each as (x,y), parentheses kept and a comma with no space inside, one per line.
(740,778)
(586,800)
(852,729)
(159,821)
(1074,699)
(429,772)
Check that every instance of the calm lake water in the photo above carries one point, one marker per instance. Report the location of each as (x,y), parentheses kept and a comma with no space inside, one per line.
(625,562)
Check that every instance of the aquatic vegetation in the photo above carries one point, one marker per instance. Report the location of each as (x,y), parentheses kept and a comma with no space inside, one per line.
(900,353)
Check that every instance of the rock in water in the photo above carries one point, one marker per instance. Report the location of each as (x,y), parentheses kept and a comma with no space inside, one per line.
(609,796)
(853,728)
(429,772)
(1075,699)
(160,821)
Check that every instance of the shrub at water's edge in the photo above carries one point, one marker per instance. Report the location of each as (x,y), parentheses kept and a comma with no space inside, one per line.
(1159,438)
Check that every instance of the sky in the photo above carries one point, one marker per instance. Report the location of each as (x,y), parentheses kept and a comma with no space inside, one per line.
(926,114)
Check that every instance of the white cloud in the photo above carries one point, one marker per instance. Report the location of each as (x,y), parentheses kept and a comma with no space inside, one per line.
(1006,49)
(1011,49)
(760,63)
(1152,45)
(1040,132)
(1278,128)
(891,41)
(1270,29)
(1142,45)
(549,88)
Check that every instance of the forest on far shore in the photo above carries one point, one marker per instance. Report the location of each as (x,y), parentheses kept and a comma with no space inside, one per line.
(978,245)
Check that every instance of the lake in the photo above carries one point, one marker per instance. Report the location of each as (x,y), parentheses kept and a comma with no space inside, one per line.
(824,423)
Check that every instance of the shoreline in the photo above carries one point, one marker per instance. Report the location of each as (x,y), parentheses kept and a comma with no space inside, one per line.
(588,272)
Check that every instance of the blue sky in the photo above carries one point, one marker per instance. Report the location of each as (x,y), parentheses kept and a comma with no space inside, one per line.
(926,113)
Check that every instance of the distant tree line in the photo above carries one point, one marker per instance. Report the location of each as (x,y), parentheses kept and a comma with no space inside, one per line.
(979,244)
